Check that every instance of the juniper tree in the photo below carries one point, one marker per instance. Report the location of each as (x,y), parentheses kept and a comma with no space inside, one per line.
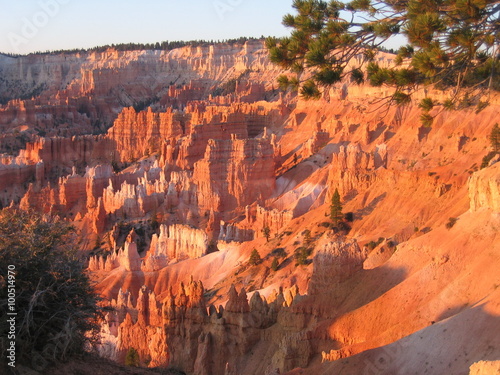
(451,43)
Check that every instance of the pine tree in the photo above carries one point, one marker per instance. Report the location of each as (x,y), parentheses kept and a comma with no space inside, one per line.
(266,232)
(307,237)
(450,44)
(58,312)
(495,138)
(336,208)
(255,258)
(301,255)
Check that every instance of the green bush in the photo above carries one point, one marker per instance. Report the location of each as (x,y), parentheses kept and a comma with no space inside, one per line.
(302,254)
(373,244)
(255,258)
(486,160)
(132,358)
(495,138)
(307,237)
(57,309)
(266,231)
(336,214)
(451,222)
(279,252)
(275,264)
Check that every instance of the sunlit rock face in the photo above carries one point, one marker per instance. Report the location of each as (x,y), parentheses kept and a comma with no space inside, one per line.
(176,167)
(484,189)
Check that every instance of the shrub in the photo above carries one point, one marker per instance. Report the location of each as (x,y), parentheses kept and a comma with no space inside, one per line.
(302,254)
(57,309)
(266,232)
(255,258)
(486,160)
(373,244)
(451,222)
(307,237)
(275,264)
(495,138)
(132,358)
(344,227)
(279,252)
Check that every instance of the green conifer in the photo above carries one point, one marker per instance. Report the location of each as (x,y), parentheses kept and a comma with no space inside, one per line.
(336,208)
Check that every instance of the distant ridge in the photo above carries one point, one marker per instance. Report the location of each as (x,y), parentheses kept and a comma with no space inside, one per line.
(158,46)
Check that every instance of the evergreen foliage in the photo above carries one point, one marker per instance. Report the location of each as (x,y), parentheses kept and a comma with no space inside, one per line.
(279,252)
(301,255)
(452,43)
(307,237)
(373,244)
(451,222)
(495,145)
(336,208)
(266,232)
(57,309)
(486,160)
(495,138)
(275,264)
(132,358)
(255,258)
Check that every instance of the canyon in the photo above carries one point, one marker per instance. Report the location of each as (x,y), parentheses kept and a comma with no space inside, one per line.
(175,166)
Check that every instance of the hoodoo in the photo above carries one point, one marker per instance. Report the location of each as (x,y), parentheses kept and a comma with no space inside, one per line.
(201,197)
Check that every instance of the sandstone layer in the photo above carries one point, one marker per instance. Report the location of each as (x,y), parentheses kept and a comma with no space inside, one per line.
(175,166)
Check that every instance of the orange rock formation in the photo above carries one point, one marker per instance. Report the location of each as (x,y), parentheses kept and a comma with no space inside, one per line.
(204,161)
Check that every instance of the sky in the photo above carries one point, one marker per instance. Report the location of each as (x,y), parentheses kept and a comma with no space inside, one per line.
(46,25)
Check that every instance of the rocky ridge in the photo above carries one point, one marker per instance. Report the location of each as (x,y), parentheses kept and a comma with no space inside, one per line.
(171,200)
